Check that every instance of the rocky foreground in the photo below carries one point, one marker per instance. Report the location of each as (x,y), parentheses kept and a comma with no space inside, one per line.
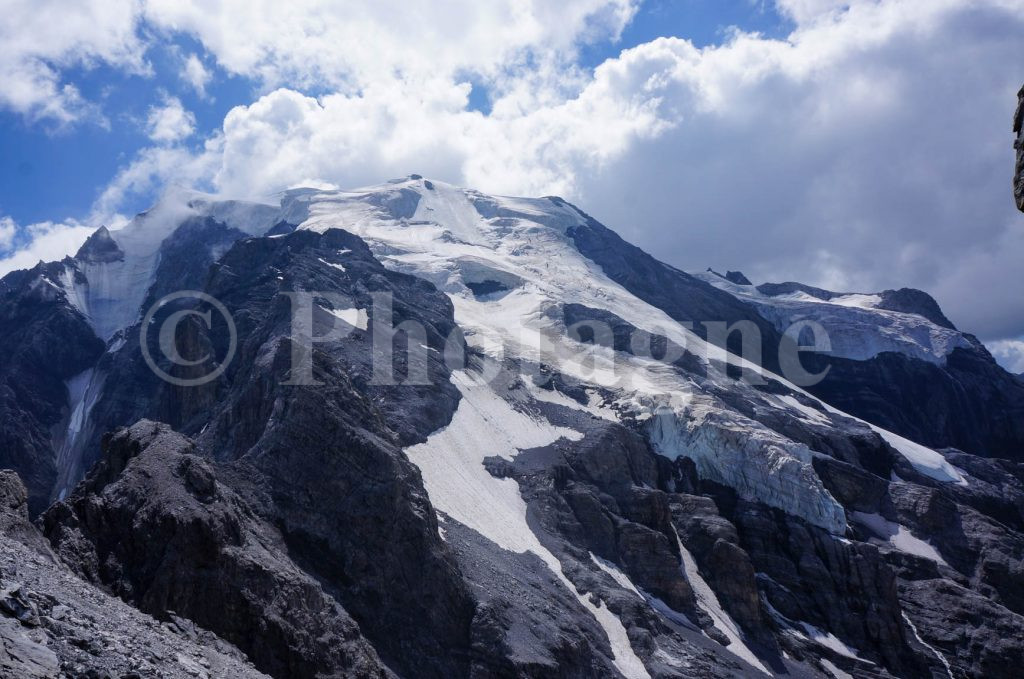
(55,624)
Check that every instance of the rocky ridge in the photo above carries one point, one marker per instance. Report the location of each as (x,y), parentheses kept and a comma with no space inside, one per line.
(53,624)
(1018,144)
(521,513)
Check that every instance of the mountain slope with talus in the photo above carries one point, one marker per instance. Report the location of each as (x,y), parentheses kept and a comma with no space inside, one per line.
(583,485)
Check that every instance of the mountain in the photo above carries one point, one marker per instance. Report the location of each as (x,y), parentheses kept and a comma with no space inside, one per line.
(453,434)
(896,361)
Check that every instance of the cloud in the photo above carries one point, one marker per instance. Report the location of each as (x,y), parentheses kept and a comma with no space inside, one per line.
(41,38)
(196,75)
(1010,354)
(153,170)
(41,242)
(170,122)
(347,46)
(869,149)
(8,230)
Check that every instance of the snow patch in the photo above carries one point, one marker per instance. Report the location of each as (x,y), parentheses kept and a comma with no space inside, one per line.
(835,671)
(339,267)
(618,576)
(708,600)
(829,640)
(809,413)
(898,536)
(925,460)
(357,318)
(593,405)
(859,301)
(451,462)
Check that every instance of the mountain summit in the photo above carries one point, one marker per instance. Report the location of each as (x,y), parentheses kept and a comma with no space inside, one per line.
(418,430)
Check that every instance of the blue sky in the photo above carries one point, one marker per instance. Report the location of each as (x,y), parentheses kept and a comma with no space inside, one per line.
(856,145)
(51,172)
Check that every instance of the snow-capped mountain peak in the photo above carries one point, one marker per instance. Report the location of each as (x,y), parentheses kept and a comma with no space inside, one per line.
(595,443)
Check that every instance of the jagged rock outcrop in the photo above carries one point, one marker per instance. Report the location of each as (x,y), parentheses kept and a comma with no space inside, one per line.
(1018,144)
(53,624)
(206,555)
(100,248)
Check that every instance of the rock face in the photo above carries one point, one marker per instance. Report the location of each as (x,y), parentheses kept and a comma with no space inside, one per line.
(685,298)
(206,553)
(1018,144)
(53,624)
(896,361)
(48,342)
(579,486)
(971,403)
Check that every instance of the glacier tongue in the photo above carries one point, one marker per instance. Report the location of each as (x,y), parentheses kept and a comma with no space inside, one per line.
(84,391)
(756,462)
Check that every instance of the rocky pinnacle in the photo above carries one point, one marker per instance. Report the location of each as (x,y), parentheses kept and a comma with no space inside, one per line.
(1018,129)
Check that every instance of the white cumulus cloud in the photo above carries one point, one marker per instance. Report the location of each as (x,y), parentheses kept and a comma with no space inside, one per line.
(42,242)
(868,149)
(8,230)
(312,43)
(40,38)
(1009,353)
(170,121)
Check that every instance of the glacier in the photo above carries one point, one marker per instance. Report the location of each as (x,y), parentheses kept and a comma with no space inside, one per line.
(509,265)
(857,328)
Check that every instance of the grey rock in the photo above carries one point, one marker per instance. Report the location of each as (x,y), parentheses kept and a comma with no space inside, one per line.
(22,657)
(78,630)
(978,638)
(99,248)
(1018,144)
(911,301)
(15,604)
(737,277)
(970,403)
(154,524)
